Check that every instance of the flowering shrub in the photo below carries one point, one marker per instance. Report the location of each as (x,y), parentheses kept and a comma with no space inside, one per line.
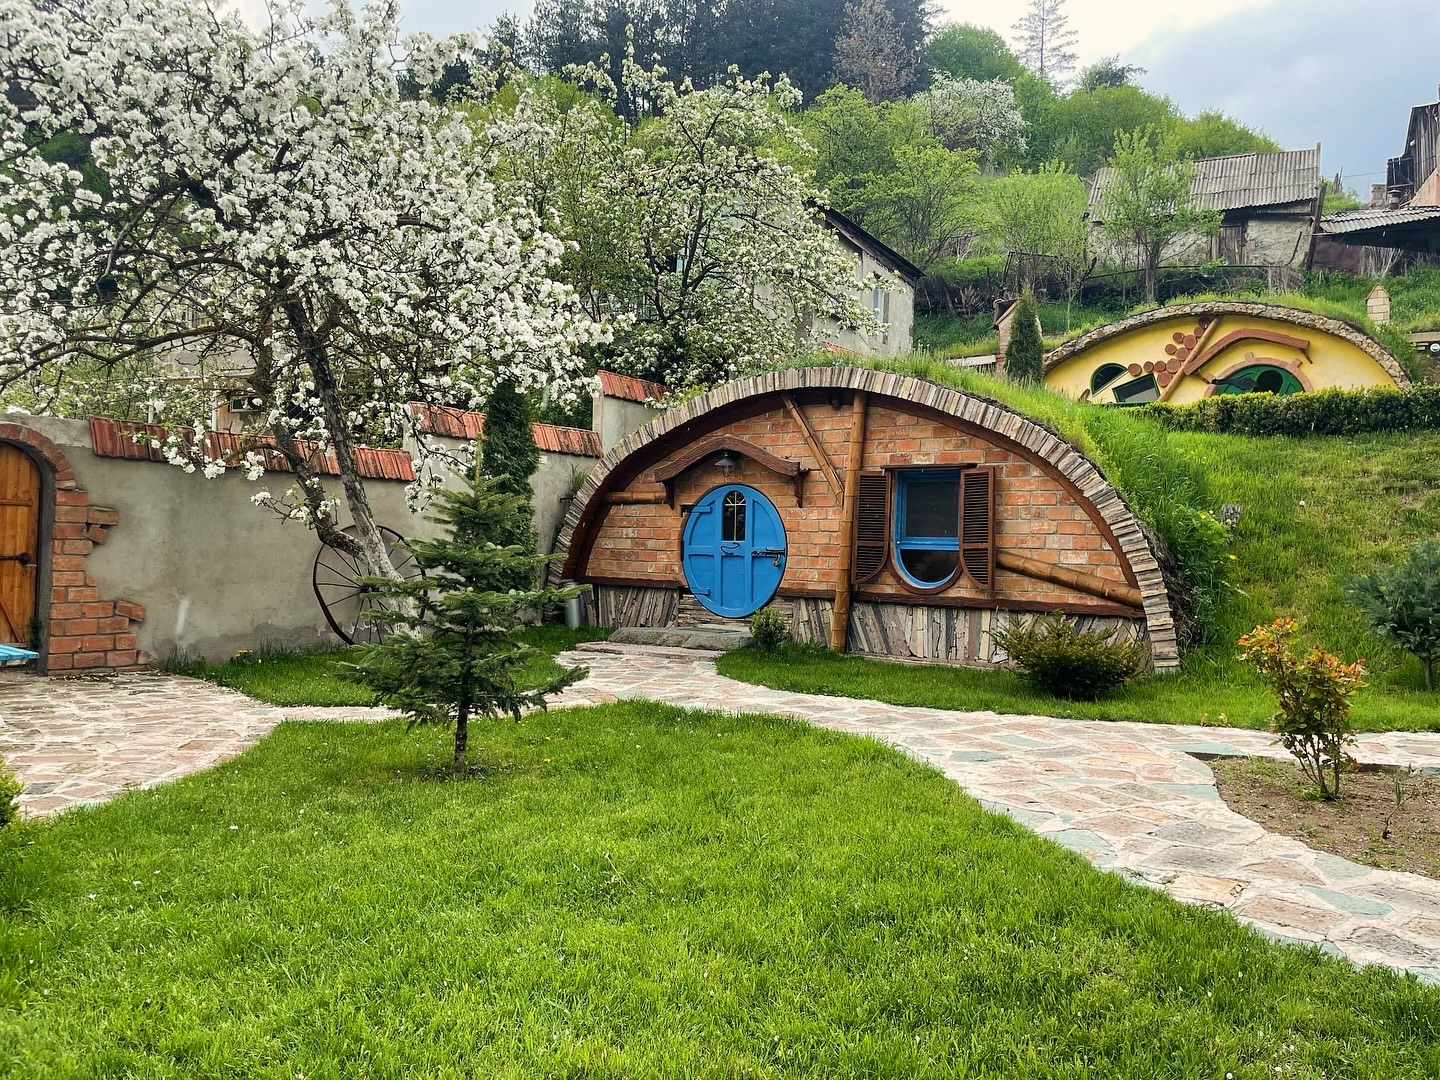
(1314,690)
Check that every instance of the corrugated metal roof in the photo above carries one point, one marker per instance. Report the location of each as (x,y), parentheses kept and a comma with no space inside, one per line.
(613,384)
(118,439)
(465,424)
(1240,181)
(1380,218)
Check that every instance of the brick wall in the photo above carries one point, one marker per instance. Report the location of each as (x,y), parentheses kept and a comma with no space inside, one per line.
(1036,515)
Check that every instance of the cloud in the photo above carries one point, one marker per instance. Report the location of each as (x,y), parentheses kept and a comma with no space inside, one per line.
(1307,72)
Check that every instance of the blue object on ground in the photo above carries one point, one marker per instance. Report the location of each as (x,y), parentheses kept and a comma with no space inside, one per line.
(13,654)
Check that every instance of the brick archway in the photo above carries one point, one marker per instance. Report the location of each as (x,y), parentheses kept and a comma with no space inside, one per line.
(1092,492)
(80,631)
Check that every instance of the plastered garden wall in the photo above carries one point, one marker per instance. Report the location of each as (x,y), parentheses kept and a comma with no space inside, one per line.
(191,564)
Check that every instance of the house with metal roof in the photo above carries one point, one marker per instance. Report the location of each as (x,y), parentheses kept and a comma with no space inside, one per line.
(1409,216)
(1269,206)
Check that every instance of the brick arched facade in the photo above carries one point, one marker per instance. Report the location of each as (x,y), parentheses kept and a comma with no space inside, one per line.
(1090,502)
(81,632)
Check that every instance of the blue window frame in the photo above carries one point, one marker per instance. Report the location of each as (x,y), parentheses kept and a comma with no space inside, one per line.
(927,526)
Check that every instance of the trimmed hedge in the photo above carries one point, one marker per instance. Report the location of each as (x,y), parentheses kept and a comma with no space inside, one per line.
(1326,412)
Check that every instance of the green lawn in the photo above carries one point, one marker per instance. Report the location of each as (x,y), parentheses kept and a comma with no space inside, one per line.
(634,891)
(1316,512)
(317,677)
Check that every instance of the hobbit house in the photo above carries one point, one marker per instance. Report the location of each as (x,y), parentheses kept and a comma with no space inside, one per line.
(1183,353)
(888,515)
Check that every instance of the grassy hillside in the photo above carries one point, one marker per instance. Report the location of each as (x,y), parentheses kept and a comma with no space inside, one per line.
(1314,513)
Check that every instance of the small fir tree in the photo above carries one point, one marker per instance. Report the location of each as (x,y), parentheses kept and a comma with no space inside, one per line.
(1025,352)
(455,653)
(509,456)
(1403,604)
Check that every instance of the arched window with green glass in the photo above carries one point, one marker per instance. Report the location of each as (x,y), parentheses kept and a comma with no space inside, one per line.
(1260,379)
(1104,375)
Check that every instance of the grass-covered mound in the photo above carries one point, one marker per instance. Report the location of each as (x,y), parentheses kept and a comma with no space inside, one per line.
(634,891)
(1315,512)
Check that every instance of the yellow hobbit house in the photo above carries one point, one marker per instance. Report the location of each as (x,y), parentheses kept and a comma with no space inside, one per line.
(1187,352)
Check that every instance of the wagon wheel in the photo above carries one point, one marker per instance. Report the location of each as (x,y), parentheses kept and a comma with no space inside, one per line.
(346,600)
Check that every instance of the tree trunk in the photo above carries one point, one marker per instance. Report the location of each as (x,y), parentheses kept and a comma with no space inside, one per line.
(462,711)
(1152,273)
(327,389)
(1428,663)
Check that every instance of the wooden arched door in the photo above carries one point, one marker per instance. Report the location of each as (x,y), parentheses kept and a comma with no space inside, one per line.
(19,544)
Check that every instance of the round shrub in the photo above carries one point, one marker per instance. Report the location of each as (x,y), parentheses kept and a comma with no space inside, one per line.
(769,630)
(1057,657)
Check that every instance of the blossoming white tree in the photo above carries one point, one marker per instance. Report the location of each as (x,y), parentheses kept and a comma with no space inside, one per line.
(285,197)
(691,230)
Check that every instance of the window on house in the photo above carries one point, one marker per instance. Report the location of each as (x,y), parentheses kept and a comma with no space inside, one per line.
(944,524)
(1104,375)
(880,303)
(732,519)
(1138,391)
(1260,379)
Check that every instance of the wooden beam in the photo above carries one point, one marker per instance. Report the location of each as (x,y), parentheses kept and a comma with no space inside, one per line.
(635,498)
(827,467)
(1116,591)
(840,616)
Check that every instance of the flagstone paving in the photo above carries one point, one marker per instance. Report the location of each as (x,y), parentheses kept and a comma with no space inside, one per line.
(79,741)
(1133,798)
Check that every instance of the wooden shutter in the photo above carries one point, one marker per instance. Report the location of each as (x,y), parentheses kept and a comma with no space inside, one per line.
(977,525)
(872,526)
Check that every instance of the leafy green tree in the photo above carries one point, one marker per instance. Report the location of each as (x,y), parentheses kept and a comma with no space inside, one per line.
(1402,603)
(882,167)
(965,51)
(1045,213)
(1213,134)
(455,654)
(1025,353)
(1082,127)
(1148,203)
(1108,71)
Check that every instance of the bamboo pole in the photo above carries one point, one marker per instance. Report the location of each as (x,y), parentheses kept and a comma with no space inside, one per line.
(1104,588)
(840,617)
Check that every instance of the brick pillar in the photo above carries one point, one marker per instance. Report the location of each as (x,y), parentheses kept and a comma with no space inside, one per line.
(1377,304)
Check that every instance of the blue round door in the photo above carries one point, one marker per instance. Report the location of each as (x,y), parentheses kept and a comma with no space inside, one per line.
(733,551)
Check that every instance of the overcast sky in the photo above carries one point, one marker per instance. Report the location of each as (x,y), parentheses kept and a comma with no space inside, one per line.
(1343,73)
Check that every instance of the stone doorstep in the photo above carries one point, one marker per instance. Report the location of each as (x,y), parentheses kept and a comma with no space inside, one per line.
(638,650)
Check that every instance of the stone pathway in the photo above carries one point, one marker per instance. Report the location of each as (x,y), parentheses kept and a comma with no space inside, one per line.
(1133,798)
(79,741)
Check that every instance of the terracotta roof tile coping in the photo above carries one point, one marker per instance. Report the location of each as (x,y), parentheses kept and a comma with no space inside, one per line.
(117,439)
(613,384)
(465,424)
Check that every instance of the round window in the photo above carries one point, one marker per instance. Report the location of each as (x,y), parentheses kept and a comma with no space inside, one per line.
(1260,379)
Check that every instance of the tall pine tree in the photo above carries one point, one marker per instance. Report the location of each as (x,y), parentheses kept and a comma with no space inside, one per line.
(455,654)
(509,456)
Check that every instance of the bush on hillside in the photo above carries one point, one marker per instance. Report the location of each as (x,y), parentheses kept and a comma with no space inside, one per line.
(1314,691)
(1025,352)
(1325,412)
(1403,604)
(1057,657)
